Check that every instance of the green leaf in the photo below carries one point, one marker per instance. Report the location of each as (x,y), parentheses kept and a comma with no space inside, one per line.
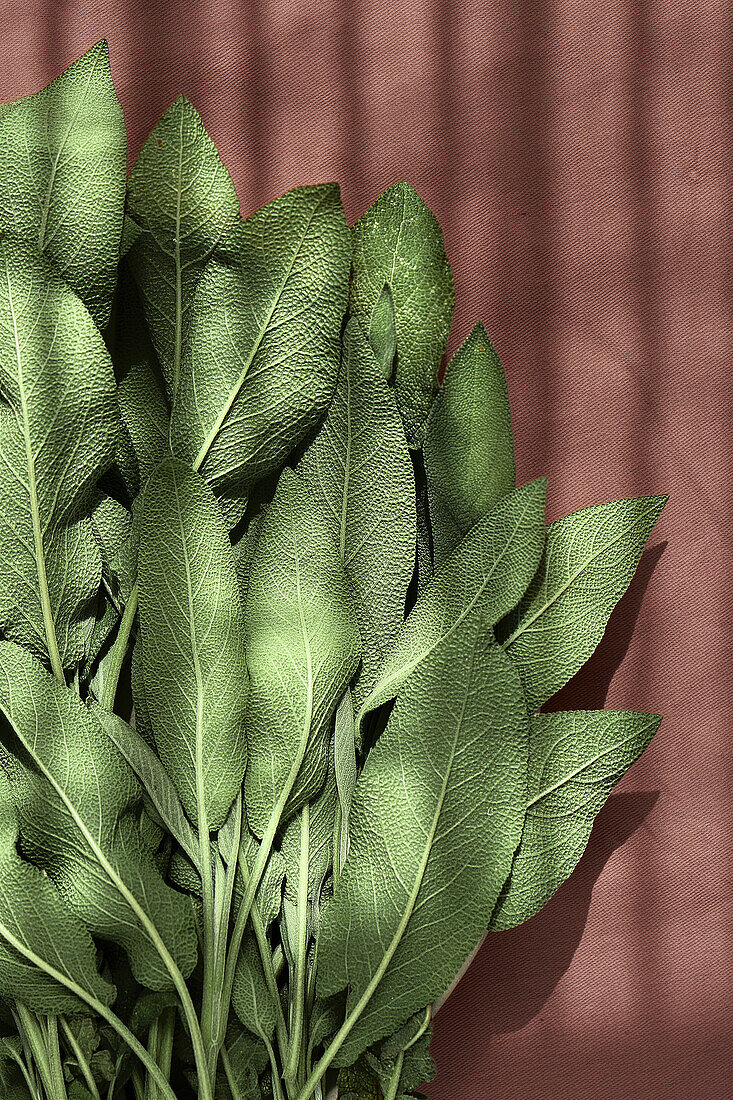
(469,452)
(398,242)
(575,760)
(359,472)
(182,197)
(589,560)
(58,430)
(435,819)
(74,808)
(322,811)
(383,331)
(154,778)
(141,388)
(192,631)
(302,650)
(261,363)
(62,177)
(44,949)
(490,569)
(251,999)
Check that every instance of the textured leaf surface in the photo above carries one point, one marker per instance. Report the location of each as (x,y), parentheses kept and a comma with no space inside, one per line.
(302,650)
(575,760)
(72,807)
(62,176)
(490,569)
(435,819)
(589,560)
(383,331)
(399,242)
(58,430)
(33,915)
(192,631)
(140,386)
(181,196)
(263,356)
(251,999)
(358,470)
(468,449)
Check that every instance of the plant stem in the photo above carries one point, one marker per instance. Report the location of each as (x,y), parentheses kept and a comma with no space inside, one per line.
(80,1059)
(297,993)
(119,651)
(54,1058)
(394,1081)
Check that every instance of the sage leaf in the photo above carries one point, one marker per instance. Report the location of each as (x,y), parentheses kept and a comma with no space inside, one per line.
(62,177)
(490,569)
(262,358)
(182,198)
(383,332)
(589,560)
(74,808)
(140,384)
(398,242)
(358,470)
(400,925)
(302,650)
(321,816)
(58,431)
(468,448)
(41,941)
(251,999)
(192,631)
(575,760)
(153,777)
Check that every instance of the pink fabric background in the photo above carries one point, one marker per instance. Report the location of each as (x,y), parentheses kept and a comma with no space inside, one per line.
(577,155)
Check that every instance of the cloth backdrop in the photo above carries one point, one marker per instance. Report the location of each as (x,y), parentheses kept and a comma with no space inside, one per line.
(577,156)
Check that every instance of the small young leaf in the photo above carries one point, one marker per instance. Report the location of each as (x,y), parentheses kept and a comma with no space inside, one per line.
(154,778)
(62,177)
(140,386)
(383,332)
(358,470)
(575,760)
(33,914)
(302,650)
(399,242)
(182,197)
(58,431)
(435,820)
(490,569)
(251,999)
(589,560)
(469,452)
(261,363)
(192,632)
(73,807)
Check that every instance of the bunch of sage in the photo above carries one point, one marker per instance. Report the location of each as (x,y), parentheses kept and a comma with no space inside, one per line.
(277,626)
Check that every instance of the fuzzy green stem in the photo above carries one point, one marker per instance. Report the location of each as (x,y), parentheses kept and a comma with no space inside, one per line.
(118,651)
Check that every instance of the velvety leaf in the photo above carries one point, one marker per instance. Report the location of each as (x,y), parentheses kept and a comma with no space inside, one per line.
(182,197)
(575,760)
(399,242)
(261,363)
(140,386)
(468,449)
(74,811)
(589,560)
(251,999)
(45,951)
(192,631)
(490,569)
(383,331)
(302,650)
(435,820)
(58,430)
(154,778)
(62,177)
(321,815)
(268,898)
(359,472)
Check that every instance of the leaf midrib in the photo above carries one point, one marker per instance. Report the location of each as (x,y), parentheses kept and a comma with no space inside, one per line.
(234,391)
